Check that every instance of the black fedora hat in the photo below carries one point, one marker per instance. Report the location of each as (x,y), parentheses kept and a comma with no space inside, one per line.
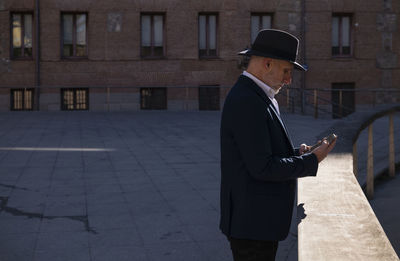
(276,44)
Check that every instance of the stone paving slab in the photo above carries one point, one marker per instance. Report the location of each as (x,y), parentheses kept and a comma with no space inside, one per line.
(117,186)
(385,204)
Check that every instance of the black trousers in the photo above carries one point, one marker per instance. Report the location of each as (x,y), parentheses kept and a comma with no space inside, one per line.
(253,250)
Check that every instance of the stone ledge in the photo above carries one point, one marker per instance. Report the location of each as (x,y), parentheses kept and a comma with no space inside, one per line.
(336,221)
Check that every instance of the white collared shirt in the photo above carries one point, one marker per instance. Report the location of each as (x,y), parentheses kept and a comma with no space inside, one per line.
(268,90)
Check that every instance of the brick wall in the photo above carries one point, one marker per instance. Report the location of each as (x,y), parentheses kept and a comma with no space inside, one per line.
(114,47)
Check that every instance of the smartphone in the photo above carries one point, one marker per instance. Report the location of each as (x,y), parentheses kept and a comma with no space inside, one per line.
(329,139)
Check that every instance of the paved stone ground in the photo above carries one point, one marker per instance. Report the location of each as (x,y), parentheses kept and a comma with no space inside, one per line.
(386,204)
(117,186)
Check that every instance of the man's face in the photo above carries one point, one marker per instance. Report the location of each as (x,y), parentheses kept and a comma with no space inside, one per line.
(278,73)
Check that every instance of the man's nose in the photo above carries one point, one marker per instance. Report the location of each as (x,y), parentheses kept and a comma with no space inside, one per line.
(287,79)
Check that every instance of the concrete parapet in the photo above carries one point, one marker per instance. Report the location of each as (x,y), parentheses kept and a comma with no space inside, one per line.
(336,221)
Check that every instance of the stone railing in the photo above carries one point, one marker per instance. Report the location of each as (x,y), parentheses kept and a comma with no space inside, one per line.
(335,219)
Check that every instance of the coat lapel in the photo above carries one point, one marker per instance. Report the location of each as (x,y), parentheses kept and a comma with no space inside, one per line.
(265,98)
(280,121)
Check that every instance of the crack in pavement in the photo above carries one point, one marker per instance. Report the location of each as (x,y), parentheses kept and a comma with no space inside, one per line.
(11,186)
(17,212)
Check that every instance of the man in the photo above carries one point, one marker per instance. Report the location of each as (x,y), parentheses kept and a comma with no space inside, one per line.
(259,165)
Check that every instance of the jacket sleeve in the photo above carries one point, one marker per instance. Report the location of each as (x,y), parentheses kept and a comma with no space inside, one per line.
(253,138)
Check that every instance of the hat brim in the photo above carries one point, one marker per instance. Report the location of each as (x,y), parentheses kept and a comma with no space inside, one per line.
(250,52)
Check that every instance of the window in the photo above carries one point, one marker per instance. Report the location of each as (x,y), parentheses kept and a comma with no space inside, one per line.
(209,98)
(343,99)
(153,98)
(21,99)
(259,22)
(21,35)
(74,35)
(74,99)
(341,35)
(152,39)
(207,35)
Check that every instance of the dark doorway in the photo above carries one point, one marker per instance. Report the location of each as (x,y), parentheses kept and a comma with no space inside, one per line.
(153,98)
(343,99)
(209,98)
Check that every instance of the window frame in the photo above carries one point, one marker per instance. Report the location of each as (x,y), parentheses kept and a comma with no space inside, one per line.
(340,54)
(152,56)
(207,55)
(64,107)
(74,37)
(22,13)
(23,90)
(260,15)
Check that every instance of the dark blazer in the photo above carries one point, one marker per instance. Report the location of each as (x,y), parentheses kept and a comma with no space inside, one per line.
(258,166)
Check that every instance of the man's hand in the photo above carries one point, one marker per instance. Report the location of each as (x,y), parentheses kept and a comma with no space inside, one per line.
(322,151)
(304,149)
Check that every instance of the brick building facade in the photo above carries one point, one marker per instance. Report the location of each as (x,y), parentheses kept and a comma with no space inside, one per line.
(182,55)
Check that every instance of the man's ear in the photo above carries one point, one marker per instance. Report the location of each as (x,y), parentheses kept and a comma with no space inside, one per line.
(268,63)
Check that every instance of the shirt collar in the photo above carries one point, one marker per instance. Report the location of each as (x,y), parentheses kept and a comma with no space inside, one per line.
(268,90)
